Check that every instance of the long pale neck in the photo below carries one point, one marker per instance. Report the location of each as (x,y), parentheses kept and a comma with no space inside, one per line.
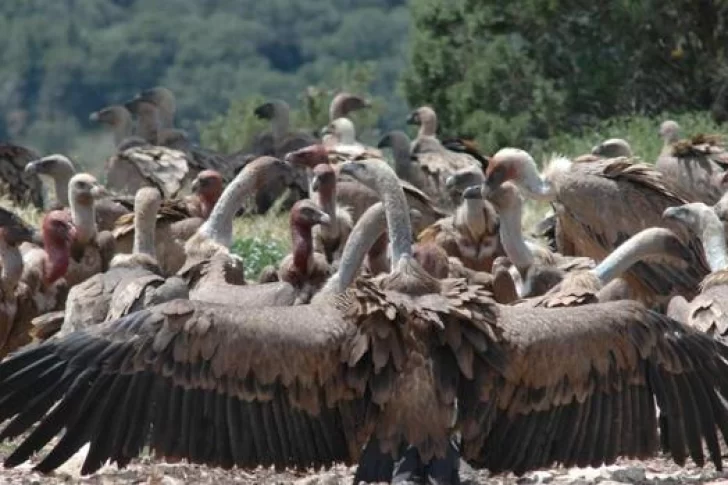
(148,124)
(280,123)
(219,226)
(399,225)
(511,235)
(144,228)
(635,249)
(325,198)
(11,266)
(714,244)
(60,182)
(84,218)
(401,154)
(365,233)
(122,129)
(167,109)
(428,127)
(470,214)
(538,187)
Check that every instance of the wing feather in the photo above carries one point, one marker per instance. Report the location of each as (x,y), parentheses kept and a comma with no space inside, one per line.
(578,387)
(213,387)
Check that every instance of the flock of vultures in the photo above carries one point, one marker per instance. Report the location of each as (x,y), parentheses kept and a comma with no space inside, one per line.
(413,325)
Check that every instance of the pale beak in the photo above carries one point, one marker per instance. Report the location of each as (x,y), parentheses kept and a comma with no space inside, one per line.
(324,219)
(31,167)
(99,192)
(94,116)
(315,183)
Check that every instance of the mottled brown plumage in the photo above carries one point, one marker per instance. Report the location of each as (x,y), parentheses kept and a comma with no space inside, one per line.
(692,164)
(598,206)
(381,363)
(147,166)
(21,187)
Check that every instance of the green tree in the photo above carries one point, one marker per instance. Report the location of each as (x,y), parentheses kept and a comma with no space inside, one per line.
(516,72)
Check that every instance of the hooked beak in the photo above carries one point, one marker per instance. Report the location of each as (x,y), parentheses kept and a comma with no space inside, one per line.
(324,218)
(671,213)
(315,183)
(413,119)
(31,167)
(99,192)
(94,116)
(450,182)
(195,186)
(473,192)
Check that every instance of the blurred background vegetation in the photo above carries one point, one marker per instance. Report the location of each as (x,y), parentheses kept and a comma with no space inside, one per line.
(548,75)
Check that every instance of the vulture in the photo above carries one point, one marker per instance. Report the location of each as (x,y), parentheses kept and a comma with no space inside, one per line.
(344,103)
(155,109)
(599,205)
(586,286)
(693,164)
(388,368)
(707,312)
(60,169)
(341,139)
(119,120)
(329,239)
(277,143)
(91,250)
(19,186)
(43,287)
(13,231)
(176,221)
(436,161)
(133,281)
(357,197)
(611,148)
(471,234)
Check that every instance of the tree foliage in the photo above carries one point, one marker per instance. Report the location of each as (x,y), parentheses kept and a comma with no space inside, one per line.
(515,72)
(61,60)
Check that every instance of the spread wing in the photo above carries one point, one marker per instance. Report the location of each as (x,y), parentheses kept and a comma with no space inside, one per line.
(578,387)
(202,382)
(21,187)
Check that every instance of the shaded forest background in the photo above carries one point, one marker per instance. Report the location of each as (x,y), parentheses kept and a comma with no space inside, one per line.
(525,72)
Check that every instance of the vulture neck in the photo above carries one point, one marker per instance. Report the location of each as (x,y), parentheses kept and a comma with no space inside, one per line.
(60,183)
(428,127)
(402,157)
(280,123)
(148,122)
(511,234)
(145,220)
(83,215)
(167,108)
(11,267)
(219,226)
(58,255)
(712,237)
(367,230)
(541,188)
(399,226)
(302,242)
(325,198)
(122,128)
(643,244)
(470,216)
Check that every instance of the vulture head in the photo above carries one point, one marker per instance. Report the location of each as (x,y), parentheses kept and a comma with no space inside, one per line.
(693,216)
(324,179)
(342,129)
(271,110)
(426,119)
(264,169)
(83,189)
(305,214)
(159,96)
(510,164)
(614,147)
(344,103)
(464,178)
(308,157)
(474,192)
(111,115)
(208,186)
(58,234)
(670,131)
(142,108)
(702,220)
(56,166)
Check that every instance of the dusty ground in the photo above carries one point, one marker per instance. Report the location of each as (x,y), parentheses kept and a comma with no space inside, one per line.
(657,471)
